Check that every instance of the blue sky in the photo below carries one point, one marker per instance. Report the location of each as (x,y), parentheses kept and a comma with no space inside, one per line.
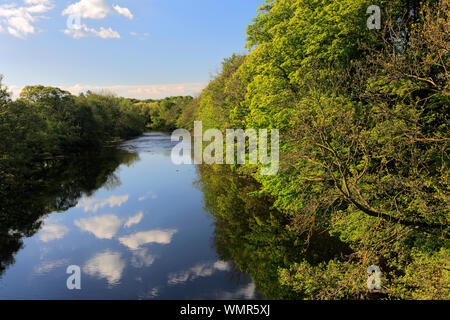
(136,48)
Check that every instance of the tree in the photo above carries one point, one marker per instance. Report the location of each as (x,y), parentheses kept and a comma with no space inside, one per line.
(363,116)
(4,94)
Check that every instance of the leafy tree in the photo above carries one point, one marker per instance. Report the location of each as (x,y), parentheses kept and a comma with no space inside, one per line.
(165,114)
(221,96)
(365,132)
(47,122)
(4,94)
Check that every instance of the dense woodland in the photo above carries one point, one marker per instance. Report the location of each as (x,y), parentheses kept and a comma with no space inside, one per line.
(167,114)
(46,122)
(364,122)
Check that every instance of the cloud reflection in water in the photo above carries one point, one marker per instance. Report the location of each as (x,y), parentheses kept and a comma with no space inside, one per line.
(107,265)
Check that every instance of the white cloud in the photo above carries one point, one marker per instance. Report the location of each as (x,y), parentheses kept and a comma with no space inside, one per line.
(83,31)
(88,9)
(153,293)
(148,195)
(141,258)
(157,91)
(198,271)
(46,267)
(108,265)
(39,6)
(222,266)
(143,91)
(124,12)
(103,227)
(134,220)
(93,9)
(135,241)
(178,277)
(245,293)
(52,232)
(93,204)
(19,20)
(36,2)
(141,36)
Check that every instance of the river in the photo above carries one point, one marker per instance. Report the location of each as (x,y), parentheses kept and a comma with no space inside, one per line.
(137,226)
(132,221)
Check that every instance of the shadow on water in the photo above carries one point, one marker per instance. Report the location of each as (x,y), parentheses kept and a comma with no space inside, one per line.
(54,186)
(155,142)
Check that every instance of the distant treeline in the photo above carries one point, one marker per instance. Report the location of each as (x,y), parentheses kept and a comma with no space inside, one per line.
(167,114)
(47,122)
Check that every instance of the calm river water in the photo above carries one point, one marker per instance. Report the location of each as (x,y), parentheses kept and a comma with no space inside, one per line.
(132,221)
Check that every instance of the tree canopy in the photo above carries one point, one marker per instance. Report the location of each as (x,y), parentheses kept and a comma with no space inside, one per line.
(363,116)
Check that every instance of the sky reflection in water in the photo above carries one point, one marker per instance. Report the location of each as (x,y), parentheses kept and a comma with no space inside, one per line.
(145,236)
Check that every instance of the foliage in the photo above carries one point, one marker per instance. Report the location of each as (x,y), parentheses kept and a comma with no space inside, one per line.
(47,122)
(169,113)
(222,95)
(365,133)
(255,239)
(56,187)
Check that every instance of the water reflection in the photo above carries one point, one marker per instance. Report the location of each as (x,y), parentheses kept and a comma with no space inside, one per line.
(55,186)
(150,142)
(148,195)
(142,258)
(255,239)
(135,241)
(246,292)
(199,271)
(108,265)
(133,222)
(102,227)
(93,204)
(140,228)
(49,266)
(52,232)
